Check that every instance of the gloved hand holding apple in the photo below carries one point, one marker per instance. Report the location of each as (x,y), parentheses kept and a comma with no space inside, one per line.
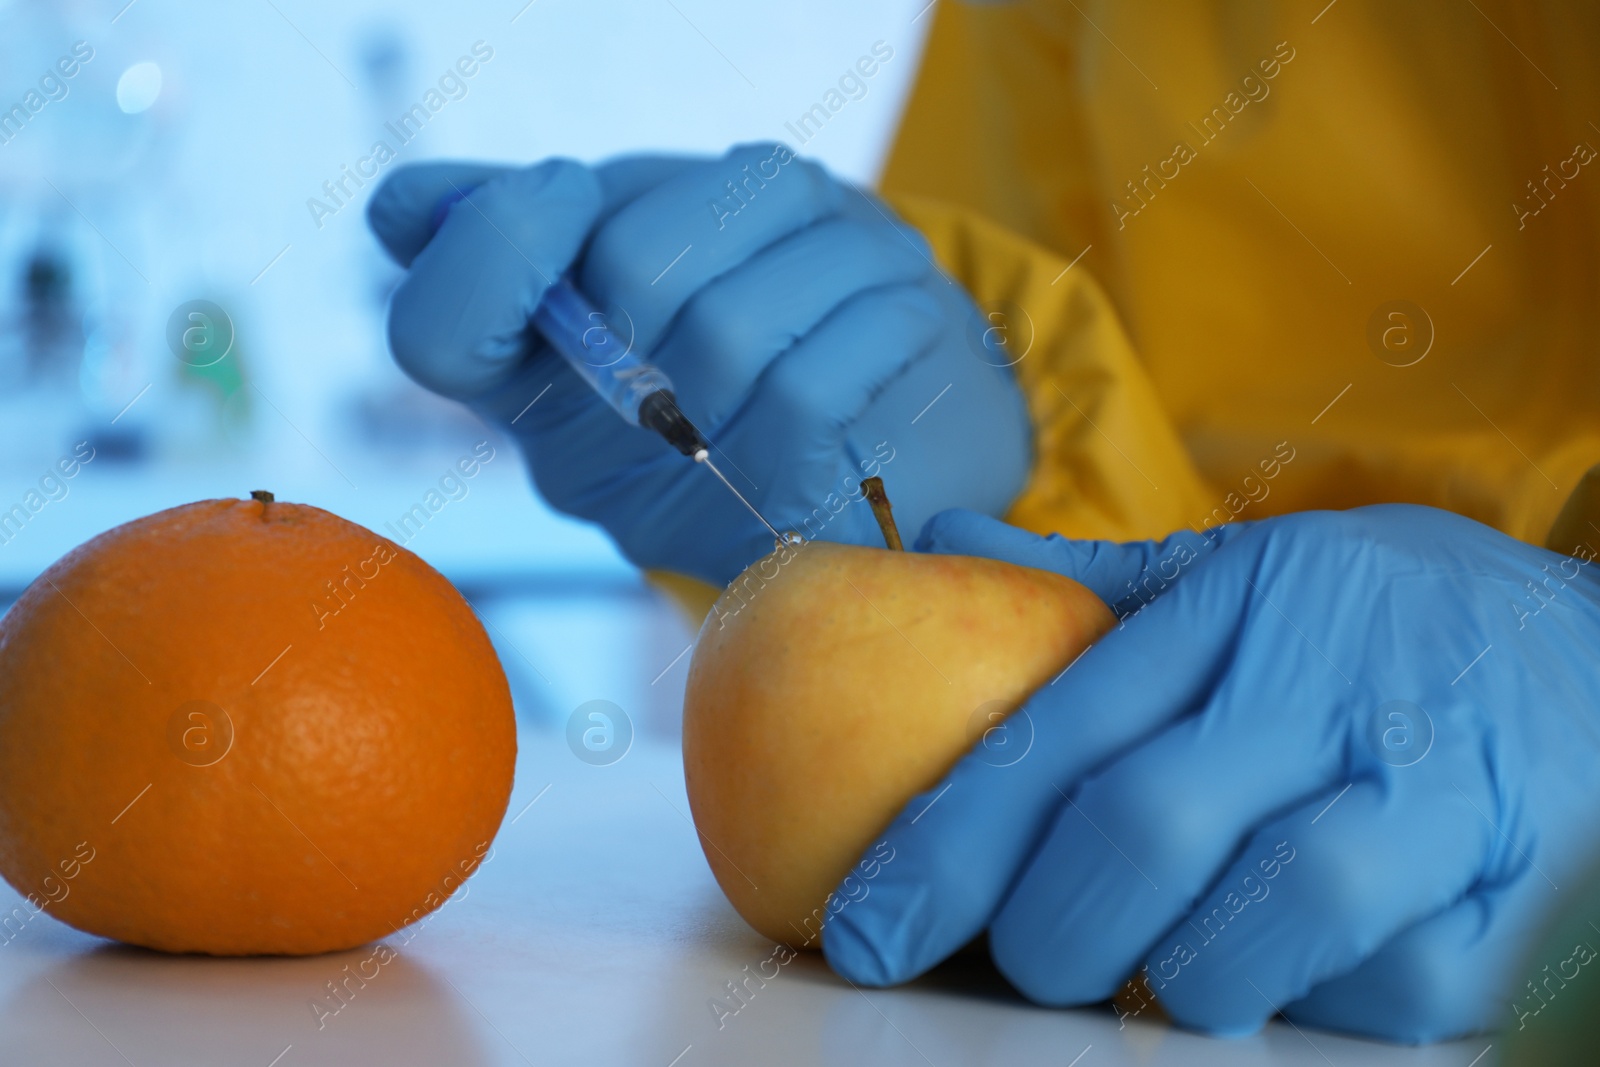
(1331,763)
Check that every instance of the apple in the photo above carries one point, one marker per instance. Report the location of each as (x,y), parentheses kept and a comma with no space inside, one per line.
(831,683)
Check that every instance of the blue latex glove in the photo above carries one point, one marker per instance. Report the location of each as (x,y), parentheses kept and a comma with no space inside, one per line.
(1222,791)
(804,327)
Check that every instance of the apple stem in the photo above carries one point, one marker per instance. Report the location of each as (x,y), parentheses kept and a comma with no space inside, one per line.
(881,510)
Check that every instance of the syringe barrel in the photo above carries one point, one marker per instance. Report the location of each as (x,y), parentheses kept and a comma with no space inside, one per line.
(584,338)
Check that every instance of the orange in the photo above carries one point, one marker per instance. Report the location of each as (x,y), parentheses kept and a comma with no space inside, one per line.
(247,726)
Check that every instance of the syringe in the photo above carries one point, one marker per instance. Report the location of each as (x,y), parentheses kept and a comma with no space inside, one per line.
(640,392)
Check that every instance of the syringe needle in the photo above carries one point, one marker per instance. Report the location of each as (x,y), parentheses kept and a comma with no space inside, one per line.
(702,456)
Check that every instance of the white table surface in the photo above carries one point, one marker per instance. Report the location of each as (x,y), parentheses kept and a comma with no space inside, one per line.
(595,935)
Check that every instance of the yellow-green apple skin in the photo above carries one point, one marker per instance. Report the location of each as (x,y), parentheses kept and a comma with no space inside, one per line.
(830,684)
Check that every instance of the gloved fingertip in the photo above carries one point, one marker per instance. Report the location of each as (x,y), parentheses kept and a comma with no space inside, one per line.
(1213,1010)
(1227,1032)
(829,193)
(954,532)
(625,178)
(852,954)
(401,210)
(392,219)
(411,204)
(562,194)
(569,176)
(959,532)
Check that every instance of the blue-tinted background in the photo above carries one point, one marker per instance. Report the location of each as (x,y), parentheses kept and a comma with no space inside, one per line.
(176,164)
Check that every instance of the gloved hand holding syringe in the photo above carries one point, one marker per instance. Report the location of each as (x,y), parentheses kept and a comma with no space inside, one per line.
(640,392)
(812,341)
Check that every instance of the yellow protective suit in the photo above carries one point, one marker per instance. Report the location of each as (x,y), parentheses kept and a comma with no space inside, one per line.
(1243,193)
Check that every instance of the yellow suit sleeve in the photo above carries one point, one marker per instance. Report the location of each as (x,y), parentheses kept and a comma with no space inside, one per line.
(1108,463)
(1255,247)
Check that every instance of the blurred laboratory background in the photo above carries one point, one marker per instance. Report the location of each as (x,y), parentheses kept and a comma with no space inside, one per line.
(191,305)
